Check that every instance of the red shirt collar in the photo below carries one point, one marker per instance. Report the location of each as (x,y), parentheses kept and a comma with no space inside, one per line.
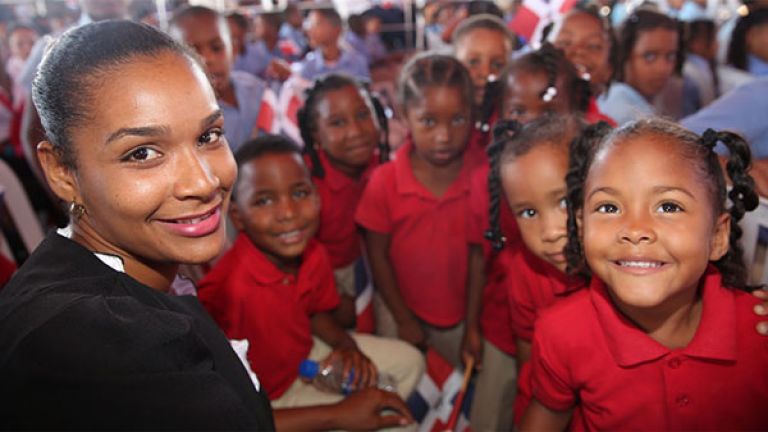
(262,271)
(562,283)
(337,180)
(714,339)
(407,184)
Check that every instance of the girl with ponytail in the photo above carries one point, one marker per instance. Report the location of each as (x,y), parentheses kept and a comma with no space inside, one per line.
(664,338)
(344,130)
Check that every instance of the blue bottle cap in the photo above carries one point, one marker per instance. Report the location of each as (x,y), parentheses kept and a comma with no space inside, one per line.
(309,369)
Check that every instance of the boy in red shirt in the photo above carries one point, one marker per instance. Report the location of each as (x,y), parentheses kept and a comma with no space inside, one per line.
(275,287)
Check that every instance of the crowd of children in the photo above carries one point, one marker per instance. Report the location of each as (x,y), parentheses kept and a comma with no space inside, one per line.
(540,222)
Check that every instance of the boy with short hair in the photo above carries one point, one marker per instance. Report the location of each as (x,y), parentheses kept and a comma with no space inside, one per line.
(246,101)
(324,27)
(276,289)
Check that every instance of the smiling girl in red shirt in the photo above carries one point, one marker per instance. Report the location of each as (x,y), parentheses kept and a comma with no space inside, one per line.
(343,142)
(662,339)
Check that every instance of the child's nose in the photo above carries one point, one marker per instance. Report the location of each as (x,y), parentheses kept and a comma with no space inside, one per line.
(286,209)
(636,230)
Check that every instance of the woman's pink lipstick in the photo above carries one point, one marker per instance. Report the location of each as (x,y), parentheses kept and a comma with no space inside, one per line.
(196,226)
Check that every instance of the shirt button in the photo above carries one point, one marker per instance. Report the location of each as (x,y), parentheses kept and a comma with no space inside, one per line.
(682,400)
(286,281)
(674,363)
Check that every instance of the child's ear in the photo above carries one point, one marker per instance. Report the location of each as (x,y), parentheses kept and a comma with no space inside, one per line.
(236,216)
(61,178)
(720,237)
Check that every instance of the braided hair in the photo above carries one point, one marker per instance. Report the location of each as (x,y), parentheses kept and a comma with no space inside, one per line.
(559,70)
(699,150)
(432,70)
(511,140)
(307,117)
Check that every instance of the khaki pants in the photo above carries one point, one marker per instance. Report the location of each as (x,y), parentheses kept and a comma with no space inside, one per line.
(446,341)
(495,389)
(397,358)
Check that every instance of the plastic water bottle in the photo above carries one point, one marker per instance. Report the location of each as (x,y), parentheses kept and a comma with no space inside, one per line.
(330,377)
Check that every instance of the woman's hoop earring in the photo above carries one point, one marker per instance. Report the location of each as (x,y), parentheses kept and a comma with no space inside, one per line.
(76,210)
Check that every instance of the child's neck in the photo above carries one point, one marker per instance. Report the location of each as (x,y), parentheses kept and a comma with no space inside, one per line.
(673,323)
(290,265)
(331,52)
(227,95)
(437,179)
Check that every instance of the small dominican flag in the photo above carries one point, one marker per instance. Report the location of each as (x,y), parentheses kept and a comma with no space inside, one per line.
(289,101)
(433,400)
(534,15)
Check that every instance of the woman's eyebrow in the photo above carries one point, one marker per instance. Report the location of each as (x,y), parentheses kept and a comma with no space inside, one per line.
(211,118)
(142,131)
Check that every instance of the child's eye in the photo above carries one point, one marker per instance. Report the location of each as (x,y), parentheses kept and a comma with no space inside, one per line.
(363,114)
(262,201)
(650,57)
(301,193)
(669,207)
(141,154)
(527,213)
(607,208)
(595,47)
(563,203)
(671,57)
(459,120)
(428,121)
(497,66)
(212,136)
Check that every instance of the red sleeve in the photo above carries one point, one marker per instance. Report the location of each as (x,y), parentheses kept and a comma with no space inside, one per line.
(325,297)
(213,292)
(373,212)
(521,304)
(548,367)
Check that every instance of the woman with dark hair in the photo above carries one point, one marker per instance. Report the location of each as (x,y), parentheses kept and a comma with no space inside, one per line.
(89,337)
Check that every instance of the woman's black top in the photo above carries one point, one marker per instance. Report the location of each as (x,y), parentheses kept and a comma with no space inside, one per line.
(83,346)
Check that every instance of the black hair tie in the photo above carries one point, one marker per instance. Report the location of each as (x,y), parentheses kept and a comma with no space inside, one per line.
(709,138)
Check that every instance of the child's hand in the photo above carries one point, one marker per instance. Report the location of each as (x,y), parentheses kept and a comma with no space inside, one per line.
(762,310)
(472,347)
(363,410)
(410,331)
(364,371)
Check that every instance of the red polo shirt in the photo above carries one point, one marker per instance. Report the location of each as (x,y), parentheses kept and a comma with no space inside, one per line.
(250,298)
(495,317)
(339,196)
(428,247)
(588,355)
(536,286)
